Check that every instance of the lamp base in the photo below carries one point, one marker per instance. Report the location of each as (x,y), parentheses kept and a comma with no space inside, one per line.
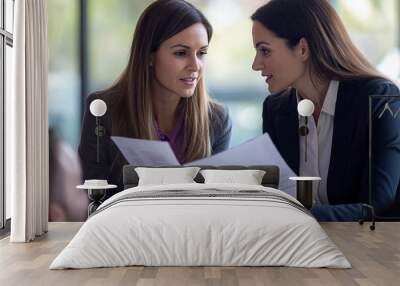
(304,193)
(96,197)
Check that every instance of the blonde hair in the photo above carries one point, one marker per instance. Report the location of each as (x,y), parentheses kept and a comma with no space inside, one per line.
(197,124)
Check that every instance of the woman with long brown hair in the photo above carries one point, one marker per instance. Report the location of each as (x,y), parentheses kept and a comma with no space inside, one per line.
(161,94)
(304,51)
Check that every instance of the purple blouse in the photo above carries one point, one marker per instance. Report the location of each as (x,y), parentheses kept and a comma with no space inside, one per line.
(175,138)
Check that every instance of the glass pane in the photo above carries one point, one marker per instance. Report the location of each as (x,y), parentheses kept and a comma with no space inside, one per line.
(236,85)
(8,75)
(111,25)
(1,14)
(9,15)
(377,39)
(64,82)
(2,109)
(65,204)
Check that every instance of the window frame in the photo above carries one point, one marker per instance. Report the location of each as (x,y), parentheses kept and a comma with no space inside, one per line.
(6,39)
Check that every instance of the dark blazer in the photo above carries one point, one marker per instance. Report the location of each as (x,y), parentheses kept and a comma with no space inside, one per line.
(347,184)
(112,160)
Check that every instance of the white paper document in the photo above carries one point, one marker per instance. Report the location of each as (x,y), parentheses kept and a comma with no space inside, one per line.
(258,151)
(141,152)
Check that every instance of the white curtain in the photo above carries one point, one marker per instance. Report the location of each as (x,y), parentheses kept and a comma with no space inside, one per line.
(27,123)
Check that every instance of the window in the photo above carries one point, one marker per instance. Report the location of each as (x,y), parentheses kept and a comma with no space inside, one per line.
(372,24)
(6,44)
(64,83)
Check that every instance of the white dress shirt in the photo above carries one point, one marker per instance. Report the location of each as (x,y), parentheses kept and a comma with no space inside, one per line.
(319,144)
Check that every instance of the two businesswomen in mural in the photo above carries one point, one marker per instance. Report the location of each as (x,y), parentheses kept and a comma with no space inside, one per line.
(160,95)
(304,52)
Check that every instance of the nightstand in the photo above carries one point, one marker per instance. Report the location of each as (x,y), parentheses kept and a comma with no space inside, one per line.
(304,190)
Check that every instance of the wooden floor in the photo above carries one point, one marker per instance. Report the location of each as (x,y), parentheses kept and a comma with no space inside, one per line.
(374,255)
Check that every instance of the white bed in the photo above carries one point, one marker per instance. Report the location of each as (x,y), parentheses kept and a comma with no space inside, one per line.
(224,225)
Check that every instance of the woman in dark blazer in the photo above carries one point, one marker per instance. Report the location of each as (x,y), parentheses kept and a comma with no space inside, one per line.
(304,51)
(160,95)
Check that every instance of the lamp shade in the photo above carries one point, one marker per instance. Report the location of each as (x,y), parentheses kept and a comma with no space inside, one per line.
(305,107)
(98,107)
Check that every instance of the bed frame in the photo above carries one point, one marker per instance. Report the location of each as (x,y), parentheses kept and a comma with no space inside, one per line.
(270,179)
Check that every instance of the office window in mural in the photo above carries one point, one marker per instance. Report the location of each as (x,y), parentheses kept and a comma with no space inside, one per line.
(107,28)
(64,82)
(374,27)
(230,79)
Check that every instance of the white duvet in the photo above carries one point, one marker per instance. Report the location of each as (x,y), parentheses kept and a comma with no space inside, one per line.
(219,231)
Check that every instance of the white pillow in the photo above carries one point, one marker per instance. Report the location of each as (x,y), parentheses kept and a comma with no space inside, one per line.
(163,176)
(248,177)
